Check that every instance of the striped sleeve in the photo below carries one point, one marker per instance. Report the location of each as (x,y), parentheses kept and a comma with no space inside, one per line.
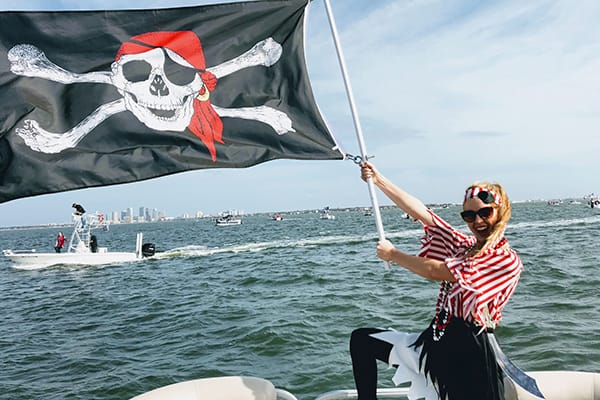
(485,283)
(442,240)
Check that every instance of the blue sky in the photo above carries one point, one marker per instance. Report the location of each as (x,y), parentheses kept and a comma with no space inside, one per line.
(446,92)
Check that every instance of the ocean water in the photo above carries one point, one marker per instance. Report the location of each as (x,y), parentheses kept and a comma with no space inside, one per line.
(273,299)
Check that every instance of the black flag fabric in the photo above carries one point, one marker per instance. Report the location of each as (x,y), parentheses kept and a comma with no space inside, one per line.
(94,98)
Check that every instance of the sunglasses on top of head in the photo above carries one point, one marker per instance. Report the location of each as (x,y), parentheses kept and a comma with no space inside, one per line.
(486,197)
(484,213)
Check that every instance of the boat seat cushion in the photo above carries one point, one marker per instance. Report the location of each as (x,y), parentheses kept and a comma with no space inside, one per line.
(220,388)
(559,385)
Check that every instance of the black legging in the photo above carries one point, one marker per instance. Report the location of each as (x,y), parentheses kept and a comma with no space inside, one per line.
(365,350)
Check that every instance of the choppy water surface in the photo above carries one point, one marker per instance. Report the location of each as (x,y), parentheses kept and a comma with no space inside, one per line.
(272,299)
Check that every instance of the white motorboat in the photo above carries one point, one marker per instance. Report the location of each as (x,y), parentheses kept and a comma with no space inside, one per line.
(82,250)
(325,214)
(228,220)
(555,385)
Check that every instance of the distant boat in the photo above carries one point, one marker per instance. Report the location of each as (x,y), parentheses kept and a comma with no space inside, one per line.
(277,217)
(368,212)
(325,214)
(228,220)
(83,248)
(595,201)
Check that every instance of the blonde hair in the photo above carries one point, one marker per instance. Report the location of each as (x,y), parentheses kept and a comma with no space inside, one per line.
(504,213)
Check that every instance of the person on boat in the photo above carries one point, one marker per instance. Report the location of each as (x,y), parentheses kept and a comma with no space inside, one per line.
(452,358)
(79,210)
(60,242)
(93,244)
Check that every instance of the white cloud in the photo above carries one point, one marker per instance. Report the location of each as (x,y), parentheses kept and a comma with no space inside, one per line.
(528,70)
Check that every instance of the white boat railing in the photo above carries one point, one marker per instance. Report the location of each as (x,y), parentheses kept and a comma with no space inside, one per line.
(382,393)
(284,394)
(77,236)
(81,236)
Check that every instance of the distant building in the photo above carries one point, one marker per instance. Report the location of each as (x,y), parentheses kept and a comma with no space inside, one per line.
(145,215)
(127,215)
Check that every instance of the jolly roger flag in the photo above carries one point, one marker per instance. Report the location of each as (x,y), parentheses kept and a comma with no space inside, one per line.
(93,98)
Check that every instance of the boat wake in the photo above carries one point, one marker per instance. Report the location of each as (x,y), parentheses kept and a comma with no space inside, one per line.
(591,220)
(254,247)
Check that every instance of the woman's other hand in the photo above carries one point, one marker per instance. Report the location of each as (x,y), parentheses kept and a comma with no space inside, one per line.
(385,250)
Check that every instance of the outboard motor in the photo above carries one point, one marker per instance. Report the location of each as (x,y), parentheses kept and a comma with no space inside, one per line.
(148,249)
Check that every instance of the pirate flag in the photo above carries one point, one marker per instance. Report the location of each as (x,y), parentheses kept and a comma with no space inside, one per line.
(93,98)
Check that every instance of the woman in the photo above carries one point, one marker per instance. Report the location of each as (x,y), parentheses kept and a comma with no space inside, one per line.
(60,242)
(451,359)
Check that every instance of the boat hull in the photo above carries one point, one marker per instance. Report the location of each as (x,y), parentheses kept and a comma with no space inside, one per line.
(229,223)
(41,260)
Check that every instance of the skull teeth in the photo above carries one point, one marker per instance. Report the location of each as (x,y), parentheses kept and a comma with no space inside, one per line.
(161,111)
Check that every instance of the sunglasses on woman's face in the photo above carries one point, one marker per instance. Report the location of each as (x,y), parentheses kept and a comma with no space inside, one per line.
(484,213)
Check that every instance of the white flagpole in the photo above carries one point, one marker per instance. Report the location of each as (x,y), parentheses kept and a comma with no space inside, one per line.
(359,135)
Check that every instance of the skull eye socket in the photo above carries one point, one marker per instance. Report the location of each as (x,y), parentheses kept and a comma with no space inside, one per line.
(137,70)
(179,74)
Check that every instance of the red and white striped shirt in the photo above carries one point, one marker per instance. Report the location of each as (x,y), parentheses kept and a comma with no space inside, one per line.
(484,282)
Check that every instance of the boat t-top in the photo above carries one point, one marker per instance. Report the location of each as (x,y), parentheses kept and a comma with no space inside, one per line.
(83,248)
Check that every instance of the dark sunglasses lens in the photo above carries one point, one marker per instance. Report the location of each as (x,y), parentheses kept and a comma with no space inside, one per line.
(468,216)
(485,212)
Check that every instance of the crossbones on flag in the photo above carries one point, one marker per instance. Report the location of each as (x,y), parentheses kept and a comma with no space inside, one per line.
(93,98)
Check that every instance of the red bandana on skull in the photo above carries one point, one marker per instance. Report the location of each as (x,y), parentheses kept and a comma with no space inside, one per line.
(205,122)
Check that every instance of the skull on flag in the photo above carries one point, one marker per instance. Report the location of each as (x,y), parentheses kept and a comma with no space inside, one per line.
(163,79)
(164,83)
